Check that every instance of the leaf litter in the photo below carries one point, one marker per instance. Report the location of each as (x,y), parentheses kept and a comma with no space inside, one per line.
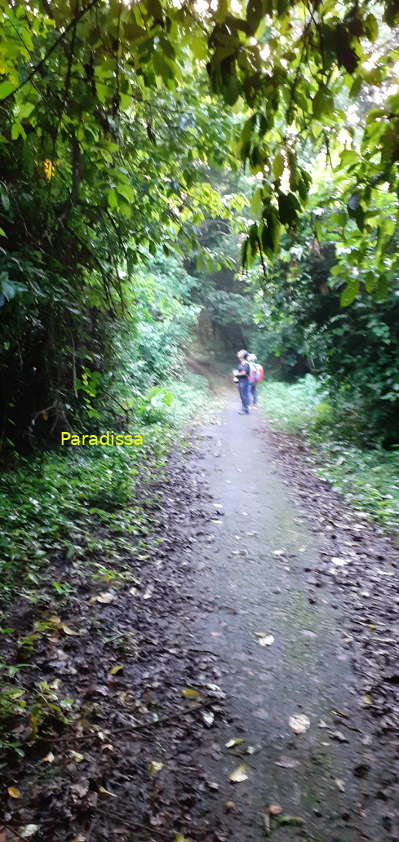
(240,774)
(299,723)
(138,708)
(116,689)
(360,586)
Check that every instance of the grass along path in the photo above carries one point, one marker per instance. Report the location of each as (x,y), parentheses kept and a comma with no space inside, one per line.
(368,478)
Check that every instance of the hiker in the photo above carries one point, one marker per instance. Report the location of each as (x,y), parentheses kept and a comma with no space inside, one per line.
(242,378)
(253,379)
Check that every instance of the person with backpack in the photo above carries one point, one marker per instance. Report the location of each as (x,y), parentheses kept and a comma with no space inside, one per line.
(256,375)
(253,379)
(241,376)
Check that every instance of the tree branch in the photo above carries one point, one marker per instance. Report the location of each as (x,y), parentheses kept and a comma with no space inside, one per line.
(42,62)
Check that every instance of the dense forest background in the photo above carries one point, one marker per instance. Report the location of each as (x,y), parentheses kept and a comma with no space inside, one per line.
(180,179)
(173,170)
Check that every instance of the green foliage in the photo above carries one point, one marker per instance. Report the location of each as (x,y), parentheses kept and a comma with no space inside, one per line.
(368,478)
(106,150)
(292,408)
(303,320)
(102,166)
(48,504)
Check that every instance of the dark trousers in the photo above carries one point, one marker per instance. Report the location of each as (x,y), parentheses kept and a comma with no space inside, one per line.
(243,387)
(252,393)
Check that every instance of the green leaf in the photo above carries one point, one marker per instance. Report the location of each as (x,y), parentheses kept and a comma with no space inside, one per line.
(6,88)
(5,200)
(199,47)
(25,110)
(278,165)
(382,290)
(112,199)
(288,208)
(371,27)
(126,191)
(349,292)
(256,202)
(348,158)
(323,103)
(356,87)
(271,232)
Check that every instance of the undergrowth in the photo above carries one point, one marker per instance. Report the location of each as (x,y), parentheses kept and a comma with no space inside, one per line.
(50,503)
(368,477)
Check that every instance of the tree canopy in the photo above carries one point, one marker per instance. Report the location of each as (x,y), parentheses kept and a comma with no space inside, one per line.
(113,115)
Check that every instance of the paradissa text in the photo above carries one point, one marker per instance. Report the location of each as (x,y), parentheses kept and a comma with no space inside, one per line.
(108,439)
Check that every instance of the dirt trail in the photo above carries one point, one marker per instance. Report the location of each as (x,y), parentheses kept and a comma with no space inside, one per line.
(251,571)
(169,667)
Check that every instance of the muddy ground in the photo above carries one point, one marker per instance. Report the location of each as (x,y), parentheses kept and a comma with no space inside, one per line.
(260,613)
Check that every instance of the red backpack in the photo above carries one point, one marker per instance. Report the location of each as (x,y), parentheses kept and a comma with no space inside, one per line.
(259,373)
(256,373)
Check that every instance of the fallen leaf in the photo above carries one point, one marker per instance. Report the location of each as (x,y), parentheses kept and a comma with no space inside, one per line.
(338,735)
(190,693)
(154,767)
(117,668)
(264,639)
(105,597)
(213,785)
(55,621)
(266,822)
(49,758)
(106,792)
(340,784)
(28,830)
(290,820)
(216,690)
(67,630)
(299,723)
(240,774)
(13,792)
(76,756)
(275,809)
(234,742)
(287,763)
(367,700)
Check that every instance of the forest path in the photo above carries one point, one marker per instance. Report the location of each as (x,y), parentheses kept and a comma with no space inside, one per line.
(166,665)
(252,570)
